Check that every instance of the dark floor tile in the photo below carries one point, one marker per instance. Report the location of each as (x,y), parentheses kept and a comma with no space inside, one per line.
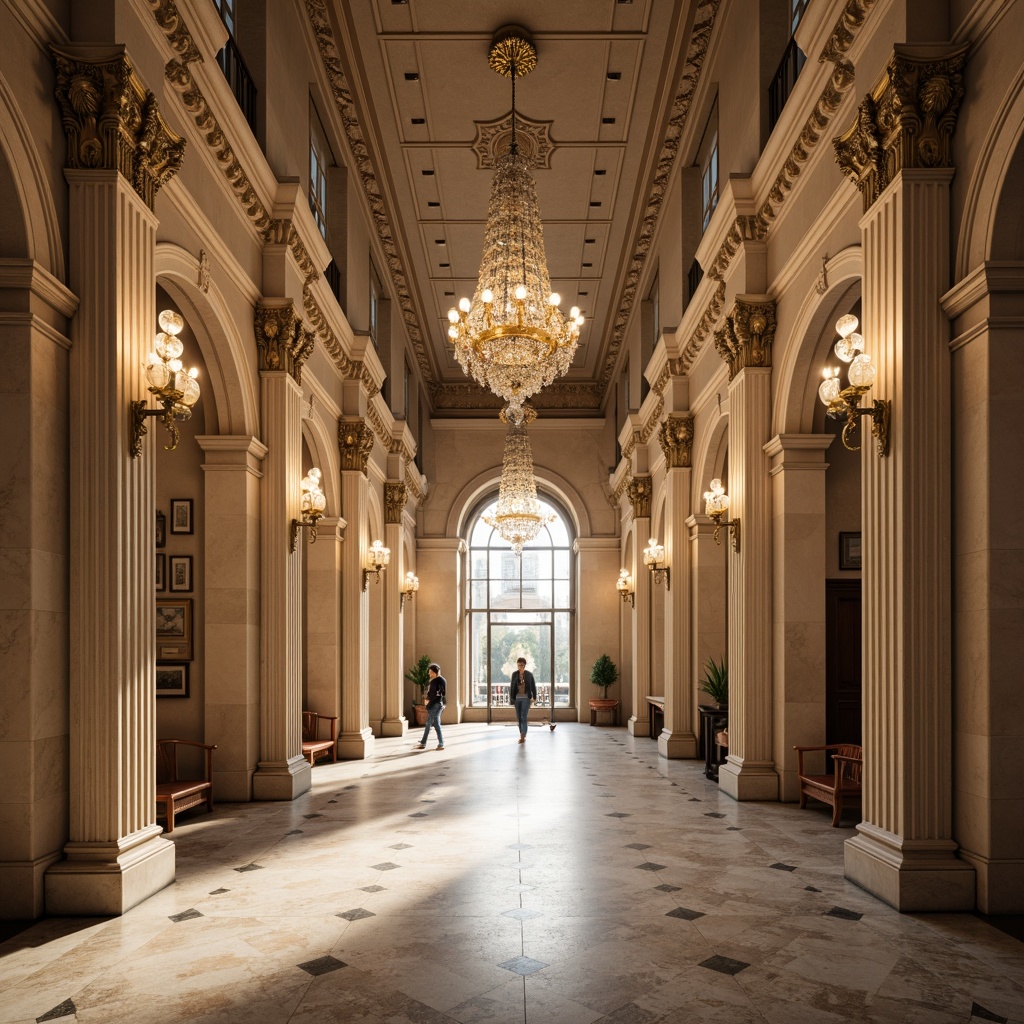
(386,866)
(332,801)
(630,1014)
(684,914)
(668,888)
(638,846)
(66,1009)
(322,965)
(713,814)
(373,888)
(250,867)
(523,965)
(356,915)
(312,815)
(734,828)
(651,866)
(617,814)
(522,914)
(846,915)
(694,800)
(779,866)
(217,892)
(401,846)
(419,814)
(810,888)
(976,1011)
(294,832)
(185,915)
(724,965)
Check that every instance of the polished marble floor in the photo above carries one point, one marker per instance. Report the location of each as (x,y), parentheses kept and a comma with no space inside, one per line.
(577,877)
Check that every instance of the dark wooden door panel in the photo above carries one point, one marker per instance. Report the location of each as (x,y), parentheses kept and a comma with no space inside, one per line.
(842,661)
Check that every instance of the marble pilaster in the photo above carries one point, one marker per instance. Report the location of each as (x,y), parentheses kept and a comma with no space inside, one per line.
(393,722)
(639,723)
(323,615)
(708,599)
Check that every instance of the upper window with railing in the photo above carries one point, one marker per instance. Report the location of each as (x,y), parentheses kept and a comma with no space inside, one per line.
(231,63)
(226,9)
(789,67)
(796,12)
(709,183)
(319,161)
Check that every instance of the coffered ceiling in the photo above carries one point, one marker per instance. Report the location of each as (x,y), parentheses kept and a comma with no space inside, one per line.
(601,114)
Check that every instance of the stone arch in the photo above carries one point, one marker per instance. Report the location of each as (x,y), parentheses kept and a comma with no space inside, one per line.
(321,439)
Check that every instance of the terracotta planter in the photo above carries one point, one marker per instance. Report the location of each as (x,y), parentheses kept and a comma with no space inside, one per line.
(602,704)
(420,710)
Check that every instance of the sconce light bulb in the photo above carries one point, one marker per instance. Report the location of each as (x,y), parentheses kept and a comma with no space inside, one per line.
(828,389)
(174,364)
(846,325)
(171,322)
(844,349)
(862,371)
(172,348)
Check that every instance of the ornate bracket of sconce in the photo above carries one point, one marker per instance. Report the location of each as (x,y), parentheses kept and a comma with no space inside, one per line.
(624,585)
(378,558)
(654,556)
(716,504)
(847,403)
(408,591)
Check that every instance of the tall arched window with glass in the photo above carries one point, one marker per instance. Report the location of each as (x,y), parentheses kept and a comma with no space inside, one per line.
(520,606)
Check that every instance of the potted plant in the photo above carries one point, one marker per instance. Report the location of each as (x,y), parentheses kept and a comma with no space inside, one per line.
(603,674)
(419,676)
(716,682)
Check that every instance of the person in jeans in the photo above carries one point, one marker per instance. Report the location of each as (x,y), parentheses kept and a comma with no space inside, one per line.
(523,688)
(436,692)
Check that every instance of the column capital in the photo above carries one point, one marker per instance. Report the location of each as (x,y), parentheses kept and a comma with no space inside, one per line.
(112,121)
(395,496)
(283,341)
(907,120)
(676,438)
(355,442)
(640,490)
(747,335)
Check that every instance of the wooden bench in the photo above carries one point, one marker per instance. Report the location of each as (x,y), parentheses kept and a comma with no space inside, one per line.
(175,794)
(842,787)
(313,744)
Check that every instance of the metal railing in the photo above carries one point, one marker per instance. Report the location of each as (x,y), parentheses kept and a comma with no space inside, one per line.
(782,84)
(242,85)
(333,275)
(693,278)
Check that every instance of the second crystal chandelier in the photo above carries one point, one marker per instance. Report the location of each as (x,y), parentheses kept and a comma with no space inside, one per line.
(512,338)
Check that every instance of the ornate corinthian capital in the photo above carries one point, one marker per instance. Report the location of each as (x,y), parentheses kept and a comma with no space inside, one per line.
(747,337)
(907,120)
(395,495)
(640,490)
(112,121)
(676,437)
(283,342)
(355,442)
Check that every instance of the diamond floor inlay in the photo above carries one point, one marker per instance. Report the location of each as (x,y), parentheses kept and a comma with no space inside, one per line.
(322,965)
(724,965)
(523,965)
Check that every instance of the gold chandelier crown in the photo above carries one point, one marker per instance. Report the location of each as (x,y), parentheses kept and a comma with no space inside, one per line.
(512,338)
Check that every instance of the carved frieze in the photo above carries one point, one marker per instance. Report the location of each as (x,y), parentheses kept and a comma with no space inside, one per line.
(174,27)
(640,490)
(282,341)
(395,497)
(676,439)
(355,442)
(747,337)
(906,121)
(112,121)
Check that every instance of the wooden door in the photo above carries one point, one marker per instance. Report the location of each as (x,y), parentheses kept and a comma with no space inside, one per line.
(842,661)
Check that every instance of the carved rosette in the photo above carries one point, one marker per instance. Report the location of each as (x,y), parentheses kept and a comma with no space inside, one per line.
(640,490)
(395,496)
(113,122)
(355,442)
(283,341)
(493,139)
(676,438)
(907,120)
(747,337)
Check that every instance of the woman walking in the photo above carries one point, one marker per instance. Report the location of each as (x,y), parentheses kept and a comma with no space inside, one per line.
(436,692)
(523,688)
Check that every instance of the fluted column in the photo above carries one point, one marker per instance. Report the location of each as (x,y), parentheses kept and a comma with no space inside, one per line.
(232,472)
(355,738)
(708,598)
(115,856)
(746,344)
(323,615)
(904,851)
(639,724)
(798,598)
(678,738)
(393,722)
(283,773)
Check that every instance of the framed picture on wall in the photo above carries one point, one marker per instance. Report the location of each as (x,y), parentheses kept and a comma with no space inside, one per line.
(161,563)
(172,680)
(181,515)
(161,529)
(181,573)
(174,628)
(849,551)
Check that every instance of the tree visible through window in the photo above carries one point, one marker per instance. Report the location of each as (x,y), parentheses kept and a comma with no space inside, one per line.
(520,606)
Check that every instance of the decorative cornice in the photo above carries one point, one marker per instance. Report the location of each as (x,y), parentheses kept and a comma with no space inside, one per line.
(113,122)
(494,137)
(907,120)
(395,497)
(640,490)
(355,442)
(643,435)
(676,438)
(174,27)
(282,341)
(412,482)
(747,337)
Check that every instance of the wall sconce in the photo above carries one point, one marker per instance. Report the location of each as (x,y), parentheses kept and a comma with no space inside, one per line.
(716,504)
(654,555)
(379,556)
(625,587)
(175,388)
(313,505)
(846,402)
(409,588)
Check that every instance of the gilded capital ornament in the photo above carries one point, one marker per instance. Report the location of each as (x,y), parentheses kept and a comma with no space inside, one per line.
(395,495)
(113,122)
(355,442)
(283,341)
(676,437)
(639,491)
(906,121)
(748,334)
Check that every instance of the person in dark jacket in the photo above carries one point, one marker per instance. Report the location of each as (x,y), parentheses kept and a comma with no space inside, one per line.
(523,691)
(436,692)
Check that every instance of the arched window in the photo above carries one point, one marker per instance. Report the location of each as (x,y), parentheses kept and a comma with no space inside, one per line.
(520,606)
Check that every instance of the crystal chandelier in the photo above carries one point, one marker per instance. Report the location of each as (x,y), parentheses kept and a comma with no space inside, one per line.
(517,516)
(512,338)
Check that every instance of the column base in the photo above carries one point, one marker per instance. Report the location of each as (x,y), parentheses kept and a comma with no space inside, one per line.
(108,879)
(675,745)
(277,780)
(748,780)
(356,746)
(639,726)
(910,875)
(23,884)
(394,726)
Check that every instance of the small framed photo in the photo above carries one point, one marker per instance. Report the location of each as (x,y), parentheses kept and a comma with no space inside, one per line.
(161,530)
(181,573)
(181,515)
(161,565)
(849,551)
(174,629)
(172,680)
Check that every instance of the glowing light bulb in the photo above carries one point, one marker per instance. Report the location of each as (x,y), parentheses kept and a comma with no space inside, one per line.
(846,324)
(521,292)
(487,296)
(554,299)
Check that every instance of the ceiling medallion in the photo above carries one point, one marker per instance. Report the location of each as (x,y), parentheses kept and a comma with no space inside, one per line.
(494,139)
(512,338)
